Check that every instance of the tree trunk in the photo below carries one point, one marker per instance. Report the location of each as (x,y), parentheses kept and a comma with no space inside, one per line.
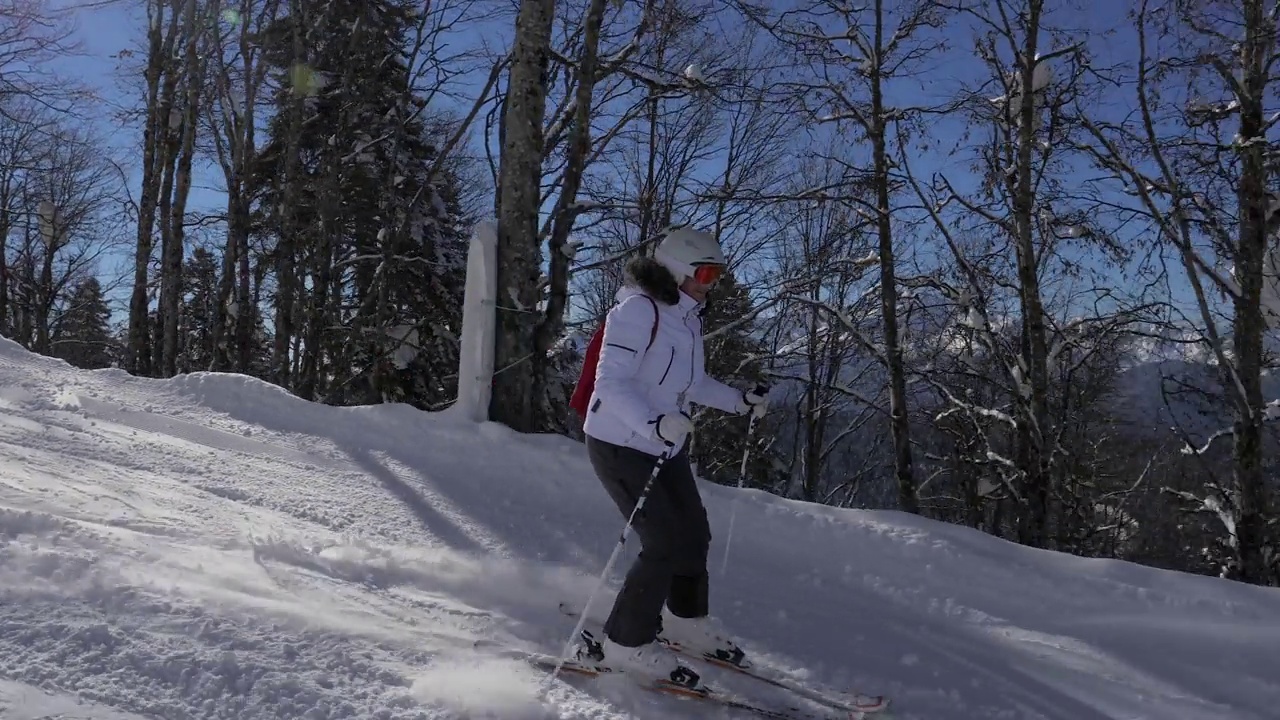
(172,256)
(1250,321)
(245,324)
(815,415)
(1031,390)
(899,424)
(318,317)
(159,50)
(236,123)
(552,323)
(164,210)
(45,292)
(6,226)
(286,247)
(519,251)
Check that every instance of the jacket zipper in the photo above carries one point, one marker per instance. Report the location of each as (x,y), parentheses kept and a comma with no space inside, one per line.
(670,360)
(693,353)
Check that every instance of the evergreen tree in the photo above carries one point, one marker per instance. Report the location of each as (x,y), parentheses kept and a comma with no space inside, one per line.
(721,438)
(370,248)
(83,335)
(419,314)
(564,367)
(199,305)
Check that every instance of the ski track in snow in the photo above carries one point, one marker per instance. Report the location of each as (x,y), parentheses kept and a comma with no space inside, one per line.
(211,547)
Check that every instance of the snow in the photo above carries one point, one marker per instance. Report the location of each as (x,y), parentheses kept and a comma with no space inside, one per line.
(212,547)
(406,342)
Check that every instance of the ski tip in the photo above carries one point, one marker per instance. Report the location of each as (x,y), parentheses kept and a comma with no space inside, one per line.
(860,702)
(869,705)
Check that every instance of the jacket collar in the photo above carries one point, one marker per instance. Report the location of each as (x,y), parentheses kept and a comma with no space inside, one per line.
(686,307)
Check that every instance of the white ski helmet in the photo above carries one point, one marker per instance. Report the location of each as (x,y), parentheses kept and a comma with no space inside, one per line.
(684,249)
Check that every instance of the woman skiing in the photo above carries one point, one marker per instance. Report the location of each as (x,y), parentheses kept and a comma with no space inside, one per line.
(650,367)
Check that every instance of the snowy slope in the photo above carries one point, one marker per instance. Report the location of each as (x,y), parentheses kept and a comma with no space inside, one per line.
(210,547)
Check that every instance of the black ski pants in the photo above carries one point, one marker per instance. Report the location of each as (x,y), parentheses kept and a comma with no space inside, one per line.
(674,539)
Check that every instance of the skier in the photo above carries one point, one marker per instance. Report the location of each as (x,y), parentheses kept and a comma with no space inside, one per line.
(650,367)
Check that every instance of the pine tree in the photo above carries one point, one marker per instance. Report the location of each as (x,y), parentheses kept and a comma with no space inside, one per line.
(420,310)
(370,255)
(721,437)
(83,335)
(199,306)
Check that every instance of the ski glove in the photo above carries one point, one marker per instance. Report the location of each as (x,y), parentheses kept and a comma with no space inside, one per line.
(755,401)
(672,429)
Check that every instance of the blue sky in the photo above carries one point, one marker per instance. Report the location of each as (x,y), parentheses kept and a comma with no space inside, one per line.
(102,30)
(105,31)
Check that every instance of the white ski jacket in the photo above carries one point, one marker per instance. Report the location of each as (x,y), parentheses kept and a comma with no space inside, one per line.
(633,387)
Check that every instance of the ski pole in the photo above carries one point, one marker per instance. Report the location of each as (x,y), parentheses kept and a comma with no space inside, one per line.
(760,390)
(617,550)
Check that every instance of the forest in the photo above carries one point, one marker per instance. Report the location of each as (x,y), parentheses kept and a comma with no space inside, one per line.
(1010,264)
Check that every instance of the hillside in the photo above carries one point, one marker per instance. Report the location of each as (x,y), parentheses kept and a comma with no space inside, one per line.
(211,547)
(1156,397)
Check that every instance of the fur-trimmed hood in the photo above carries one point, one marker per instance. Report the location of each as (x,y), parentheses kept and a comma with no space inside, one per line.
(653,279)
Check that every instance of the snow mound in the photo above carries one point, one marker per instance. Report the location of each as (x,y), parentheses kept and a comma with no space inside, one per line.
(210,547)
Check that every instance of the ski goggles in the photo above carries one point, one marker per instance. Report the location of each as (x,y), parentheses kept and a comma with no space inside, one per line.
(707,274)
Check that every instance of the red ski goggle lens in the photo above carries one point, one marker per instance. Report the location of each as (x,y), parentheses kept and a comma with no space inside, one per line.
(708,274)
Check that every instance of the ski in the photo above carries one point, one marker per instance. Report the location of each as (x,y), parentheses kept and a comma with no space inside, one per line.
(702,693)
(858,703)
(709,694)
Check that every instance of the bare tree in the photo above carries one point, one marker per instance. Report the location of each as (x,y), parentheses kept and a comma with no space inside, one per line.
(566,209)
(23,132)
(856,57)
(1012,168)
(1012,243)
(32,34)
(237,73)
(68,202)
(694,155)
(1199,164)
(641,183)
(161,77)
(180,148)
(532,323)
(826,325)
(755,142)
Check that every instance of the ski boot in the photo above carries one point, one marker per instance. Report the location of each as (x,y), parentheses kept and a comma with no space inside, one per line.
(651,662)
(701,636)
